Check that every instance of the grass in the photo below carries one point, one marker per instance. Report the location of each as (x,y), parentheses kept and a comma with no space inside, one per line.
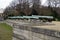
(5,32)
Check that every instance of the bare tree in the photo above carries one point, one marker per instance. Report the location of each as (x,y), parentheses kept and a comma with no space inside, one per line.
(36,3)
(23,6)
(53,3)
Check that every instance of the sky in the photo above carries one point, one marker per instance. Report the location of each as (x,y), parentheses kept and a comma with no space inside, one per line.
(5,3)
(44,2)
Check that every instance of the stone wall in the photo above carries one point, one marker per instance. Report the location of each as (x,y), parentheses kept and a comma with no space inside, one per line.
(24,32)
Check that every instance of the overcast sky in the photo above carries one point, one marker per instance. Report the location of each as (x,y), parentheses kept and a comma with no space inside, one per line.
(5,3)
(43,2)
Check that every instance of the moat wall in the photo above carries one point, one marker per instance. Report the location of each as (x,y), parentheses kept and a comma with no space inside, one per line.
(24,32)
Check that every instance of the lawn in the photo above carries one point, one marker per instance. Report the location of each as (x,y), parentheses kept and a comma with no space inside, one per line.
(5,32)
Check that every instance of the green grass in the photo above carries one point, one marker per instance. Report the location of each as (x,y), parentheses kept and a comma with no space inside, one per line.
(5,32)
